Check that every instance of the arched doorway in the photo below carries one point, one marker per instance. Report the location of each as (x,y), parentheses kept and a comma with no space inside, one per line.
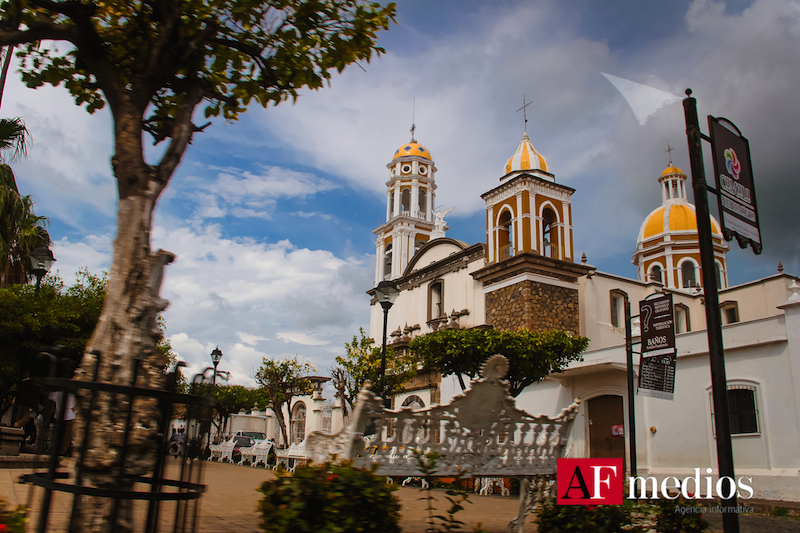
(606,427)
(297,431)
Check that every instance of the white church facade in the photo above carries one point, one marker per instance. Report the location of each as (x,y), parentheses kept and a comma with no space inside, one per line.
(525,274)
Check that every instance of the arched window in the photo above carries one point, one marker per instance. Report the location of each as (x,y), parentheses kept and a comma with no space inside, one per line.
(414,401)
(435,299)
(297,431)
(549,233)
(718,273)
(423,203)
(688,277)
(387,261)
(405,200)
(505,235)
(391,205)
(655,274)
(419,244)
(683,323)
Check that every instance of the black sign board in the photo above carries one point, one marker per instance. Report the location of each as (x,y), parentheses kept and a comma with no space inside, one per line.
(658,360)
(736,193)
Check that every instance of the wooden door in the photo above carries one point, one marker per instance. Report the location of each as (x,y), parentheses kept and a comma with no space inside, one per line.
(606,427)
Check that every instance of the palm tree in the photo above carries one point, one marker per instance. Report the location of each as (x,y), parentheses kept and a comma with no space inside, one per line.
(21,230)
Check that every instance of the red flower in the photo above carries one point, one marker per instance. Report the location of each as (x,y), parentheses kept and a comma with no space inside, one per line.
(332,477)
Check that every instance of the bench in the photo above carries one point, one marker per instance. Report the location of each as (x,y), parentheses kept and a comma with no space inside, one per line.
(222,451)
(291,456)
(256,454)
(479,434)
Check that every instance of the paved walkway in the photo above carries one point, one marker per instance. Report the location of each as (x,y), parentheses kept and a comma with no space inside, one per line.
(230,502)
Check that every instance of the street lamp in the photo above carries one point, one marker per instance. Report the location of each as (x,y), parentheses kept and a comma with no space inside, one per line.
(386,292)
(41,262)
(216,355)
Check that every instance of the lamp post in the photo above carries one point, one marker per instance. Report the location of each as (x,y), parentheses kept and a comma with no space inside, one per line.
(216,355)
(41,262)
(386,292)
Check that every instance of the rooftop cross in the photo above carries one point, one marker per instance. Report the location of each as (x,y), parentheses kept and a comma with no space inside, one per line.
(524,112)
(413,121)
(669,151)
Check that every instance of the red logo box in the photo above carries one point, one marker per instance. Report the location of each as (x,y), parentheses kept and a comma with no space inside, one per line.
(589,481)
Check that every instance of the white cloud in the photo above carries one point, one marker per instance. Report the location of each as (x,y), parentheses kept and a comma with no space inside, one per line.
(301,338)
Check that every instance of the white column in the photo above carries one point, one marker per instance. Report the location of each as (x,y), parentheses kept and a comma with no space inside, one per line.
(664,195)
(405,254)
(415,197)
(388,204)
(397,197)
(567,244)
(670,276)
(490,232)
(397,244)
(518,237)
(431,201)
(379,260)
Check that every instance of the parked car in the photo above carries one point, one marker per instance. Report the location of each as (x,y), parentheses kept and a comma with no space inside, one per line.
(241,442)
(257,436)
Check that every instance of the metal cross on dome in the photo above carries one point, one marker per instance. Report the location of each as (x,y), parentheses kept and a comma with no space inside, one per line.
(669,151)
(524,112)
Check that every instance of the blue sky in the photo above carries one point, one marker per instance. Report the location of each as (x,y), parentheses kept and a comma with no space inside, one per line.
(271,217)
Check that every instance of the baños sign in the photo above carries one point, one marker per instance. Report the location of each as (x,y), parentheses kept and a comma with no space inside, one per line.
(734,175)
(658,360)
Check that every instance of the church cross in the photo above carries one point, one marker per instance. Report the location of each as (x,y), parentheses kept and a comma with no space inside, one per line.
(669,151)
(524,112)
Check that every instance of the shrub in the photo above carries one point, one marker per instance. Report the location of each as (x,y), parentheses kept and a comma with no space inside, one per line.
(331,498)
(554,518)
(669,521)
(11,521)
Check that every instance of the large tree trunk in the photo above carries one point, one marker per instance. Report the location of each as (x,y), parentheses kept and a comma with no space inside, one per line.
(126,332)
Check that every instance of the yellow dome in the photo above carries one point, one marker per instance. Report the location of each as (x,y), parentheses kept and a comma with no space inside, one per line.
(413,148)
(672,170)
(675,217)
(526,157)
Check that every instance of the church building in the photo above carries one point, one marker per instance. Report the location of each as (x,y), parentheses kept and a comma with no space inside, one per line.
(525,275)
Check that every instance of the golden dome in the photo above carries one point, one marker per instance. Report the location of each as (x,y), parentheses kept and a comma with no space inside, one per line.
(672,170)
(678,217)
(413,148)
(526,157)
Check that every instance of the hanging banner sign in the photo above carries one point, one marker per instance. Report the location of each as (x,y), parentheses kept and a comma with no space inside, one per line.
(658,359)
(736,193)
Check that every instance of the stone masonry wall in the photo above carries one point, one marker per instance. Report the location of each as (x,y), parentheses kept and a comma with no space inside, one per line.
(534,306)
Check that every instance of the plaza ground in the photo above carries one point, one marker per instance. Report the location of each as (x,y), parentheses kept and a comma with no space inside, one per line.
(229,505)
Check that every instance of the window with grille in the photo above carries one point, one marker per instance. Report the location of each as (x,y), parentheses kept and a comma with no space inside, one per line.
(743,408)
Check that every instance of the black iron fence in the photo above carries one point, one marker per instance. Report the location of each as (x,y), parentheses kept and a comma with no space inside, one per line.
(186,487)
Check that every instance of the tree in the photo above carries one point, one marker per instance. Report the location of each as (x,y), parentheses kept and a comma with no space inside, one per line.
(154,62)
(362,362)
(282,381)
(531,356)
(21,230)
(31,323)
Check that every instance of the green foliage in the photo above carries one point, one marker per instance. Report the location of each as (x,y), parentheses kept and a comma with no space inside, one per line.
(362,362)
(14,521)
(670,521)
(532,356)
(21,230)
(161,54)
(555,518)
(438,523)
(331,498)
(230,399)
(31,323)
(280,381)
(630,516)
(14,139)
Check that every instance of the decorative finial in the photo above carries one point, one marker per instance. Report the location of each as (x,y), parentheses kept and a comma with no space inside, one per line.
(413,118)
(688,92)
(524,112)
(669,151)
(780,266)
(583,258)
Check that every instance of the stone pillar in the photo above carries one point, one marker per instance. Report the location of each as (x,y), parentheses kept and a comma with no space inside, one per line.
(337,417)
(415,197)
(317,403)
(791,310)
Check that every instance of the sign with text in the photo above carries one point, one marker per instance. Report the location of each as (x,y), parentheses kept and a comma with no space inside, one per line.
(658,359)
(736,194)
(589,481)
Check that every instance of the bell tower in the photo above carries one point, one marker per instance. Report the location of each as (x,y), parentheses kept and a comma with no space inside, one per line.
(531,278)
(410,197)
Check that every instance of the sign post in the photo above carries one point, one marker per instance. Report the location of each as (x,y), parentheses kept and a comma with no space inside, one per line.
(719,386)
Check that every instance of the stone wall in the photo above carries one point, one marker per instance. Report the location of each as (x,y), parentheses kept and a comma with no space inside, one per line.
(534,306)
